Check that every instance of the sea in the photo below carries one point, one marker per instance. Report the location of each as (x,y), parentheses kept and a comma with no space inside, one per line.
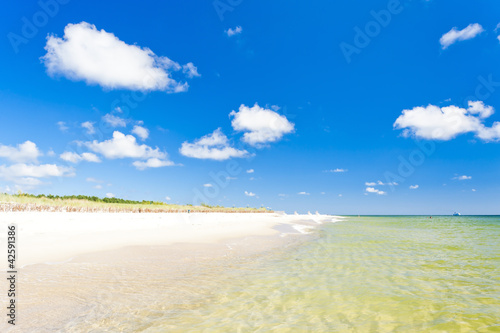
(361,274)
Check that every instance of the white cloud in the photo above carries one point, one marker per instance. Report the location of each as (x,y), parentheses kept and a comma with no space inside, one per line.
(250,171)
(24,152)
(70,157)
(207,185)
(490,133)
(75,158)
(98,187)
(190,70)
(152,163)
(141,132)
(303,193)
(379,182)
(388,184)
(124,146)
(478,107)
(89,157)
(413,187)
(214,146)
(29,174)
(110,195)
(114,121)
(374,190)
(454,35)
(340,195)
(99,57)
(236,31)
(62,126)
(260,125)
(168,198)
(463,177)
(89,126)
(473,190)
(336,170)
(249,194)
(445,123)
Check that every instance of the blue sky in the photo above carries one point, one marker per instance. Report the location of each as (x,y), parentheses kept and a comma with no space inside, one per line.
(182,101)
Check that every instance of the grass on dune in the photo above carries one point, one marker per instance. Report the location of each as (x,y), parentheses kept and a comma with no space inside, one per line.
(29,202)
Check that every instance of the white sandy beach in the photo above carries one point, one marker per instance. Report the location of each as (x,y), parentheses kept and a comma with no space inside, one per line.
(85,267)
(58,237)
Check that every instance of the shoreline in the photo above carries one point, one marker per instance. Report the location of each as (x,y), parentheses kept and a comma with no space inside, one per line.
(51,237)
(177,258)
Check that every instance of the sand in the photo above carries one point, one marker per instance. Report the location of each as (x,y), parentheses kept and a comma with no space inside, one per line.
(77,269)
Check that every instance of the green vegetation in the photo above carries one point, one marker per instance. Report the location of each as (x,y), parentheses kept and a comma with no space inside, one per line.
(93,199)
(83,203)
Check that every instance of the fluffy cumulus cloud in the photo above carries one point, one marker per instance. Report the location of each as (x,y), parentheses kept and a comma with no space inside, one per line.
(250,194)
(126,146)
(141,132)
(413,187)
(455,35)
(73,157)
(30,174)
(95,56)
(152,163)
(490,133)
(236,31)
(260,125)
(303,193)
(214,146)
(24,152)
(374,190)
(445,123)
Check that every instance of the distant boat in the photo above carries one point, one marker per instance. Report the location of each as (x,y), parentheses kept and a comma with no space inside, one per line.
(456,214)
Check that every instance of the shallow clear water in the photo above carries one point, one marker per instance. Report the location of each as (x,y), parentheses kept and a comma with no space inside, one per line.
(368,274)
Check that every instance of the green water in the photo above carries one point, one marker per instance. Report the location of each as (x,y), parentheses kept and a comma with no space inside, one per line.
(368,274)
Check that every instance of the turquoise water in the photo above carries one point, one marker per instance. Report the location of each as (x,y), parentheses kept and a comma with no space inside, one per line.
(366,274)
